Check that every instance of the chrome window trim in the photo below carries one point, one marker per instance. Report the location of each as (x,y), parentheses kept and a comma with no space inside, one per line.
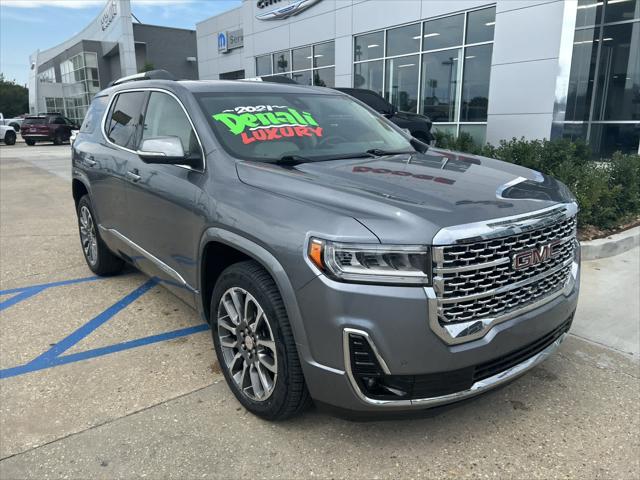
(149,256)
(477,388)
(160,90)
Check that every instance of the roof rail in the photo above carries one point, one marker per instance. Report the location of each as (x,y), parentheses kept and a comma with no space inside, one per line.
(150,75)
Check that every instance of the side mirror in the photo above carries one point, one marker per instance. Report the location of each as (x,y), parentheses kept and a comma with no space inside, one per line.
(418,145)
(163,150)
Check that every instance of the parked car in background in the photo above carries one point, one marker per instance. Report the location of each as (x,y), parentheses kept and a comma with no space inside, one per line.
(418,125)
(15,123)
(49,127)
(7,135)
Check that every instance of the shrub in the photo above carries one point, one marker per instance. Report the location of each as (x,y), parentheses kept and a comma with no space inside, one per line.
(608,192)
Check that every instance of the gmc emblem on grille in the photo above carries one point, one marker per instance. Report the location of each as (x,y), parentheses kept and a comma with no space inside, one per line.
(536,256)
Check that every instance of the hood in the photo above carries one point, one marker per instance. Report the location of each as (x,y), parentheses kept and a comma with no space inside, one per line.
(408,198)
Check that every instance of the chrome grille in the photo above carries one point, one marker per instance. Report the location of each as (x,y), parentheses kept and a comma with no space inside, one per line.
(477,281)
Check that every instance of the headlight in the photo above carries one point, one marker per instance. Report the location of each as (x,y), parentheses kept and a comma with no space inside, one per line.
(369,263)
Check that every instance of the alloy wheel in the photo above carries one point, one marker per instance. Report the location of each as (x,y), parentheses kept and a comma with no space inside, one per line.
(247,344)
(88,235)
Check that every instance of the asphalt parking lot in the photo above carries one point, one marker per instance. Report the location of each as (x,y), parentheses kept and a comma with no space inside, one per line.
(115,377)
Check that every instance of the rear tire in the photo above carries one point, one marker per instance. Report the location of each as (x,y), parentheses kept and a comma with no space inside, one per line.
(29,142)
(99,258)
(10,138)
(254,344)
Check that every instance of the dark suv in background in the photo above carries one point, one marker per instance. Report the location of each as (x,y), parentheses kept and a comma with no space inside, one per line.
(418,125)
(50,127)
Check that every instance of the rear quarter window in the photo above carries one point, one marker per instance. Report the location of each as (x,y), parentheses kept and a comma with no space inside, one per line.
(94,114)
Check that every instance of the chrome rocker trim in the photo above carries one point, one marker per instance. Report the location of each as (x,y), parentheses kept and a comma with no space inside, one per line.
(477,388)
(149,256)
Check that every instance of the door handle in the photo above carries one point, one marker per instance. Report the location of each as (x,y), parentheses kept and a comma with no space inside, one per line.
(90,161)
(133,175)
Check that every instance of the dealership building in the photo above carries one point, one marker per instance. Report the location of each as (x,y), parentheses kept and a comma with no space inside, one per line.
(64,78)
(495,70)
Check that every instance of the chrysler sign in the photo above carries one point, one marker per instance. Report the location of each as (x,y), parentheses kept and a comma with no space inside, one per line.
(283,8)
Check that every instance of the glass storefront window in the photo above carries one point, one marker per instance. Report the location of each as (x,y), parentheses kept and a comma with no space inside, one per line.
(440,83)
(605,139)
(604,82)
(621,10)
(91,60)
(403,40)
(324,77)
(367,47)
(443,32)
(618,89)
(477,132)
(583,66)
(263,65)
(475,84)
(402,82)
(310,65)
(301,58)
(368,75)
(303,78)
(480,25)
(450,129)
(281,62)
(424,65)
(324,54)
(589,12)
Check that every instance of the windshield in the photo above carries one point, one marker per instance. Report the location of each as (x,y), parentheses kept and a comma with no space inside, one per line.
(269,126)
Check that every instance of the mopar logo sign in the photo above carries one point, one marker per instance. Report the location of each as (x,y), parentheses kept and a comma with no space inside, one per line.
(222,42)
(284,9)
(230,40)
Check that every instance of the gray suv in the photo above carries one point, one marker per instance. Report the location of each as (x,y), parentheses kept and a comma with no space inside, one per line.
(335,257)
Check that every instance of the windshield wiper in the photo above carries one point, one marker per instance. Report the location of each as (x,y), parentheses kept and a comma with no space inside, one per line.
(378,152)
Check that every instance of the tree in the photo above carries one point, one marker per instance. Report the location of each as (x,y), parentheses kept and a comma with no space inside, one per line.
(14,98)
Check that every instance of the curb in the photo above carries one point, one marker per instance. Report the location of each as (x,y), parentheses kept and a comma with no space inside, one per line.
(612,245)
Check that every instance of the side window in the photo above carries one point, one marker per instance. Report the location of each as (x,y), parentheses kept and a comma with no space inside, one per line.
(166,118)
(57,120)
(94,115)
(124,119)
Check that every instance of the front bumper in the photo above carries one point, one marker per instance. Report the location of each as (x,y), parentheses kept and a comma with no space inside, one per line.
(396,321)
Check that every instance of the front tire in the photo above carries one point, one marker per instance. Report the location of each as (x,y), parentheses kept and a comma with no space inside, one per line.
(99,258)
(57,139)
(10,138)
(254,343)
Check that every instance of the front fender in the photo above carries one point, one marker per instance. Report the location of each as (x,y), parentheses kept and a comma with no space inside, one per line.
(275,269)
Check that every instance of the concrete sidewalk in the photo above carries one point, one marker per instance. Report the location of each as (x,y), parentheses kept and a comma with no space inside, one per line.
(609,307)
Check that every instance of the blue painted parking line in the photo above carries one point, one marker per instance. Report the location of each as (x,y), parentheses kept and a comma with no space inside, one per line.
(53,357)
(23,293)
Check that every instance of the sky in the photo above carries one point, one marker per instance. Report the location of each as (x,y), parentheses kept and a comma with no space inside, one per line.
(28,25)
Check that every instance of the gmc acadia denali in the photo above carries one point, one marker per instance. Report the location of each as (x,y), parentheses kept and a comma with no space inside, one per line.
(335,257)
